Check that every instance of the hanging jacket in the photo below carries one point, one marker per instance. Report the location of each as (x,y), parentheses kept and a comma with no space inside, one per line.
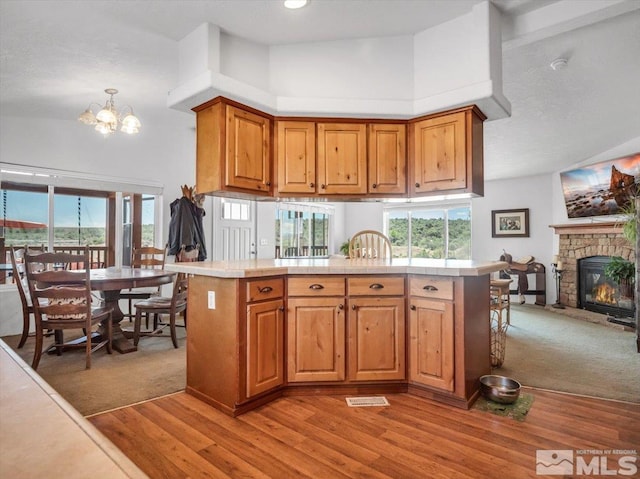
(185,228)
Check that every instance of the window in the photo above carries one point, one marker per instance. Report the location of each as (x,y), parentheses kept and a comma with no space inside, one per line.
(429,231)
(237,210)
(45,207)
(302,231)
(79,219)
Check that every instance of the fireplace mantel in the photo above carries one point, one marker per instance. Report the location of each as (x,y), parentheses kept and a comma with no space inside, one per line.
(588,228)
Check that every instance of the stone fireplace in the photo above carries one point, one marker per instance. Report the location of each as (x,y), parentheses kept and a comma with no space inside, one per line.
(587,240)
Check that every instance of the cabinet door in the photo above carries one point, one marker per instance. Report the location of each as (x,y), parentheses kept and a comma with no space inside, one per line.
(247,151)
(387,158)
(376,339)
(342,158)
(316,333)
(439,162)
(296,153)
(431,346)
(265,340)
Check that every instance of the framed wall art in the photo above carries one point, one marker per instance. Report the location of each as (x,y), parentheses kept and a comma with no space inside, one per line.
(510,223)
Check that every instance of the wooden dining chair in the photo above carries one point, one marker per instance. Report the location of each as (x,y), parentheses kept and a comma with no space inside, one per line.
(145,257)
(157,306)
(62,300)
(369,244)
(20,279)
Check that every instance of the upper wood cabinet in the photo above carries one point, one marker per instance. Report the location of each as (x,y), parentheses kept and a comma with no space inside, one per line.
(387,158)
(239,147)
(342,158)
(233,149)
(296,156)
(446,153)
(353,158)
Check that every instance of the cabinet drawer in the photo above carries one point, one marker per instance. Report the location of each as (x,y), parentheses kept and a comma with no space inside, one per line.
(316,286)
(375,286)
(264,288)
(431,287)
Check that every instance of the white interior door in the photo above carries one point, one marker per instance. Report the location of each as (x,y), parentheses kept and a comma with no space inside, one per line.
(234,229)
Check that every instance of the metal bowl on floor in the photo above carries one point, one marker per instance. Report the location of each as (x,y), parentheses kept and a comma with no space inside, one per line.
(500,389)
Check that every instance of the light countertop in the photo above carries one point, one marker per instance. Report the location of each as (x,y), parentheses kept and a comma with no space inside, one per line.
(42,435)
(336,265)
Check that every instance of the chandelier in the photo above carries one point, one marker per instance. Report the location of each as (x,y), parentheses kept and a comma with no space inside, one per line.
(108,118)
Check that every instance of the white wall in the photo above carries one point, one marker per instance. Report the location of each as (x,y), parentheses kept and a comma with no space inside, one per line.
(534,193)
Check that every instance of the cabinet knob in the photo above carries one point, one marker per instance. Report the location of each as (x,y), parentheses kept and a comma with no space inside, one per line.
(354,307)
(322,186)
(417,185)
(412,307)
(374,186)
(266,289)
(341,306)
(311,185)
(281,308)
(268,183)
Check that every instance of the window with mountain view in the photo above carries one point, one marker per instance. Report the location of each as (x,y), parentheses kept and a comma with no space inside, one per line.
(429,232)
(302,231)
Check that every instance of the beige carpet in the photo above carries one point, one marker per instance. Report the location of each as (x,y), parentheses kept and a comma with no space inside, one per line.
(551,350)
(114,380)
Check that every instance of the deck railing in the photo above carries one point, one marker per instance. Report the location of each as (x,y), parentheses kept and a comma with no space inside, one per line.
(97,258)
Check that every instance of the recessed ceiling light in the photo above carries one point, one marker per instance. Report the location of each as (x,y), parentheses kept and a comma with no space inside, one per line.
(295,3)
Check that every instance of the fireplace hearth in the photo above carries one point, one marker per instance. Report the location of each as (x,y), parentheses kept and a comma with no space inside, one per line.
(601,294)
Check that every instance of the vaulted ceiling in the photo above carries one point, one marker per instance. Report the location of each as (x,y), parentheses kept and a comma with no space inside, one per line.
(57,56)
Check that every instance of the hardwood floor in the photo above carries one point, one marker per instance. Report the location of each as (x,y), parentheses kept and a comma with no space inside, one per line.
(179,436)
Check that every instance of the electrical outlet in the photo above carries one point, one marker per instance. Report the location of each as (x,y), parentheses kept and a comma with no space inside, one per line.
(211,300)
(264,242)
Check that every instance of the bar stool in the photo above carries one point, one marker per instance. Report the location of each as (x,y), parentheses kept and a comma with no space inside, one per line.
(500,289)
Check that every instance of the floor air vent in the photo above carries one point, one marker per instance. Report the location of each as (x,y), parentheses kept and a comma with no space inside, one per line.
(367,401)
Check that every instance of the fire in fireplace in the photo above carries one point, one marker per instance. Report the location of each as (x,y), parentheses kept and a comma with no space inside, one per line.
(601,294)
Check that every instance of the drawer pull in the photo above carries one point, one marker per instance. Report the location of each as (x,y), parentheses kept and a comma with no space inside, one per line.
(316,286)
(430,287)
(412,307)
(266,289)
(376,286)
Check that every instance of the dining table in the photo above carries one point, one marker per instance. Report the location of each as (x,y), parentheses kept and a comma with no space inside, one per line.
(111,281)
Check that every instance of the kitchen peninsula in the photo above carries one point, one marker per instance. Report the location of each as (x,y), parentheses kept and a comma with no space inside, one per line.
(260,329)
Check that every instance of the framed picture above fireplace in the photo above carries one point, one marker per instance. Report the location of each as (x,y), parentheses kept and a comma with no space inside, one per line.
(603,188)
(510,223)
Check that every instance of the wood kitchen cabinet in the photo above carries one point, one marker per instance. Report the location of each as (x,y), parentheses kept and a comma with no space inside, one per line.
(446,152)
(342,158)
(376,324)
(296,156)
(235,349)
(233,151)
(387,158)
(254,339)
(350,160)
(316,329)
(431,332)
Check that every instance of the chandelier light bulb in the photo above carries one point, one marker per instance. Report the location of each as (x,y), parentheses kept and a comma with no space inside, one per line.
(87,117)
